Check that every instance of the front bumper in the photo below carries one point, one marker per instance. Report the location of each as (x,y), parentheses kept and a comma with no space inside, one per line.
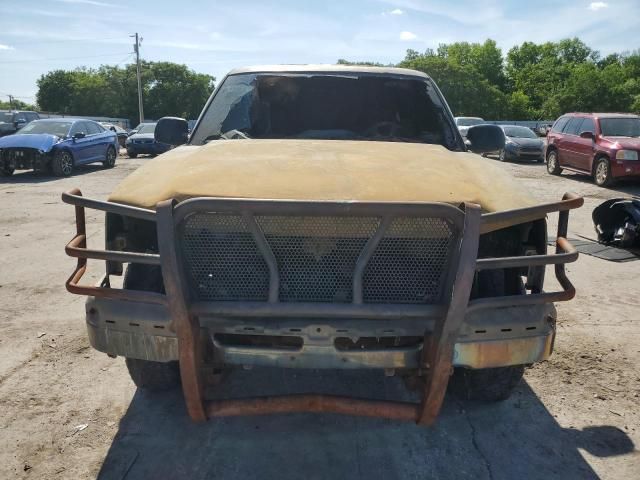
(133,330)
(24,158)
(514,151)
(625,168)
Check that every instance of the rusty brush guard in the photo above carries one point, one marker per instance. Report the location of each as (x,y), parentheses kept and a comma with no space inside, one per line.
(199,238)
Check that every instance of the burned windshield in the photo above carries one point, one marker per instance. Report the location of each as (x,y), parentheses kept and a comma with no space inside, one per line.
(326,106)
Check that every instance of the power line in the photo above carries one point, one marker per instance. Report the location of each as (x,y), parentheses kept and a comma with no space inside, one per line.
(84,40)
(62,58)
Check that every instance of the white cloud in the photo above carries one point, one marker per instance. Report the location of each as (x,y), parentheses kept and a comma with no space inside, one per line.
(88,2)
(396,11)
(5,47)
(595,6)
(407,36)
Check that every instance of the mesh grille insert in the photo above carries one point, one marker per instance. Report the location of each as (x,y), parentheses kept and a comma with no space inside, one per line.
(222,260)
(317,255)
(410,263)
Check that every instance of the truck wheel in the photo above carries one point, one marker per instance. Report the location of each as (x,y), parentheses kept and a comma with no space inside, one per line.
(110,159)
(553,165)
(486,384)
(132,155)
(62,164)
(153,376)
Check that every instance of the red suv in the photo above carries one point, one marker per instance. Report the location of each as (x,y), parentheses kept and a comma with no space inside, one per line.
(603,145)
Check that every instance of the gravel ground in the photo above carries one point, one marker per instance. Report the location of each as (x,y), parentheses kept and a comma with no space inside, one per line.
(70,412)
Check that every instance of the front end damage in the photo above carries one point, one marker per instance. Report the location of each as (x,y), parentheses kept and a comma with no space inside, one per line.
(324,285)
(19,158)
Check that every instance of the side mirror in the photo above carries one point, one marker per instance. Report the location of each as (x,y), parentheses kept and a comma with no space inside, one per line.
(78,135)
(172,131)
(485,138)
(588,135)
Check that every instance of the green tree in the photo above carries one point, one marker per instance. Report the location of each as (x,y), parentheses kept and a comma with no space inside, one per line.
(466,90)
(55,90)
(111,91)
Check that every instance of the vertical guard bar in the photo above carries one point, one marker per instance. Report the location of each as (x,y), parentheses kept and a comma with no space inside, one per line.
(439,346)
(267,254)
(187,326)
(365,255)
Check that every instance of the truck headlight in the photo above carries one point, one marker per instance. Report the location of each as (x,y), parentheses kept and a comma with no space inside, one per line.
(627,155)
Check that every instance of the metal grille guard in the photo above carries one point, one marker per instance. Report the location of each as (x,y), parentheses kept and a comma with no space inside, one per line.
(438,344)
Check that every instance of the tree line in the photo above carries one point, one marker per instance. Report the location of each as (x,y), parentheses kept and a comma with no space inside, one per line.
(531,82)
(112,91)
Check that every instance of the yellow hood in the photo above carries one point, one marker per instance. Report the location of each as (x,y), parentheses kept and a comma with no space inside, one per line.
(322,170)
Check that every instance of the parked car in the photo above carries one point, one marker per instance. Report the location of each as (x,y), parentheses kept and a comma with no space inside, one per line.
(521,144)
(603,145)
(302,225)
(119,131)
(58,145)
(143,141)
(12,121)
(463,124)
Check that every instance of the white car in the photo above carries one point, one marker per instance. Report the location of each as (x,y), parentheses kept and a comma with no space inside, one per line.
(463,124)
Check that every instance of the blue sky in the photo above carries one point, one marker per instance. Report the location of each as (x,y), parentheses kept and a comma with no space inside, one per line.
(215,36)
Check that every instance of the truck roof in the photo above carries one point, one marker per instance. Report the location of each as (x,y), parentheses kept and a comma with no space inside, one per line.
(331,69)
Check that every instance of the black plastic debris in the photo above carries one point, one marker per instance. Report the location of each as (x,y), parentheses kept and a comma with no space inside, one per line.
(617,222)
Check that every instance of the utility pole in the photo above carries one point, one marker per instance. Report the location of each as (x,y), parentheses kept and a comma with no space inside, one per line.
(136,48)
(11,102)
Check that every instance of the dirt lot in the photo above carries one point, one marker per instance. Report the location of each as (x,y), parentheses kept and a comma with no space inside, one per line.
(70,412)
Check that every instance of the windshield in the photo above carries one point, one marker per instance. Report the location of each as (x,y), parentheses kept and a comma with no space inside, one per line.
(147,128)
(6,117)
(59,129)
(620,127)
(350,106)
(519,132)
(468,122)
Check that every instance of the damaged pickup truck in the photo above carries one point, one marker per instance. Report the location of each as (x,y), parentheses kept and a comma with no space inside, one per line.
(324,217)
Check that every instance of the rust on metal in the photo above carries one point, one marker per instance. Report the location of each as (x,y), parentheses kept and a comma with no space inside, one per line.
(439,345)
(186,326)
(315,404)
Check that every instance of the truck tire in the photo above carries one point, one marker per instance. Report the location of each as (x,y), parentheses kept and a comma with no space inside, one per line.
(6,171)
(486,384)
(489,384)
(153,376)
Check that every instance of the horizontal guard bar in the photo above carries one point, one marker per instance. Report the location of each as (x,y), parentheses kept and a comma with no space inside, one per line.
(310,310)
(74,197)
(570,255)
(313,403)
(500,220)
(74,249)
(113,293)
